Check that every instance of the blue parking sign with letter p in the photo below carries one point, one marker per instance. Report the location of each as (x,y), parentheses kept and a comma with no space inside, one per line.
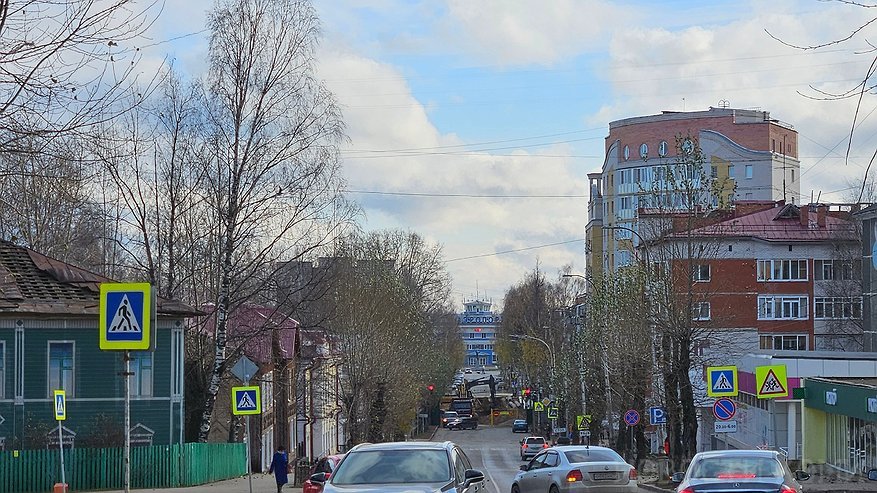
(657,415)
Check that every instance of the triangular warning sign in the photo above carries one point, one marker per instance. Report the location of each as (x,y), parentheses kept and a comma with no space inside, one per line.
(772,385)
(124,319)
(723,384)
(246,401)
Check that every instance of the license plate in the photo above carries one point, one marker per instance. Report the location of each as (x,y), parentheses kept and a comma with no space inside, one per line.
(604,475)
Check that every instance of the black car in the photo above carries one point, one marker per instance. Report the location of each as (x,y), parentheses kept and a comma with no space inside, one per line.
(741,470)
(404,467)
(520,425)
(462,423)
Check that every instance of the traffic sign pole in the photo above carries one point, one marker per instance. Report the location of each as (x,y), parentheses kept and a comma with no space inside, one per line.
(127,420)
(60,415)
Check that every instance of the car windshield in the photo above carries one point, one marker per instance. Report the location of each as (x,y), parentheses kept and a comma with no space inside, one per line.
(393,466)
(592,455)
(736,468)
(520,422)
(534,441)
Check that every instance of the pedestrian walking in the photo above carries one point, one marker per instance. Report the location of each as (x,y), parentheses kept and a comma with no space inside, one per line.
(280,467)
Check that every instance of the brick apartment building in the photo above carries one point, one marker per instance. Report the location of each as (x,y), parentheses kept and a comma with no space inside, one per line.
(754,155)
(778,276)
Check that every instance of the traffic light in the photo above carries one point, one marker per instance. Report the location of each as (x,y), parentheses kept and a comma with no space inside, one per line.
(527,392)
(430,387)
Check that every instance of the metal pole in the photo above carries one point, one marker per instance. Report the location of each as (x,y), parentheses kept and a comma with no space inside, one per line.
(61,450)
(249,469)
(127,421)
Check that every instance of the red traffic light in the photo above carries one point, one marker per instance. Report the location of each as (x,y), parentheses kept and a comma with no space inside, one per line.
(527,391)
(430,387)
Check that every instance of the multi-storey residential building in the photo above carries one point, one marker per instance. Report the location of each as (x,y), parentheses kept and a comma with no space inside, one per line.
(785,274)
(754,157)
(477,326)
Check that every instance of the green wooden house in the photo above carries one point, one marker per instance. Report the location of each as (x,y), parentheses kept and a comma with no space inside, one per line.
(49,339)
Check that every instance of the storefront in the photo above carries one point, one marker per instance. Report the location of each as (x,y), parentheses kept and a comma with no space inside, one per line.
(840,423)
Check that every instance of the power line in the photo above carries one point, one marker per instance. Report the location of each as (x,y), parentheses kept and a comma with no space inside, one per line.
(504,252)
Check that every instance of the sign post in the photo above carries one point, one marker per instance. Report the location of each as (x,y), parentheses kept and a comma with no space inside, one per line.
(246,401)
(126,311)
(60,407)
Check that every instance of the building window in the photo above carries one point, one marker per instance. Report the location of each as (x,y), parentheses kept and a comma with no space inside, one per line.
(783,342)
(782,270)
(644,151)
(662,148)
(626,153)
(782,308)
(731,171)
(701,273)
(836,270)
(141,369)
(748,171)
(837,308)
(61,367)
(714,172)
(701,311)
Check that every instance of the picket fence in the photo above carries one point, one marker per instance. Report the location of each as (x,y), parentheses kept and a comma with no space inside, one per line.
(87,469)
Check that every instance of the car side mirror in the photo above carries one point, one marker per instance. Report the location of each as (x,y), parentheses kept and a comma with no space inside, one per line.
(872,474)
(319,477)
(802,475)
(473,476)
(524,467)
(677,477)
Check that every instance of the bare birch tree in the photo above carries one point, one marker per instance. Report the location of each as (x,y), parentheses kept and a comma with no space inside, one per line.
(273,180)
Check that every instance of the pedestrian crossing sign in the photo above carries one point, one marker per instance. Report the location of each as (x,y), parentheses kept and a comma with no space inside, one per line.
(246,400)
(60,405)
(538,407)
(722,381)
(125,316)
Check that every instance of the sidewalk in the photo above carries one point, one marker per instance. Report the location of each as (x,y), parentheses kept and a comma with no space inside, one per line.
(262,483)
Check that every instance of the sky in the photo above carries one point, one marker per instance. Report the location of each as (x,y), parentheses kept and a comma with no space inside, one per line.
(475,122)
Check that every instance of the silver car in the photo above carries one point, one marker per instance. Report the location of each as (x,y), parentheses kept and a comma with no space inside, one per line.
(749,470)
(403,467)
(576,468)
(531,446)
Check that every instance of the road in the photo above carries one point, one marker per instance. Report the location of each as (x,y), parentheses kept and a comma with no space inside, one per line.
(493,450)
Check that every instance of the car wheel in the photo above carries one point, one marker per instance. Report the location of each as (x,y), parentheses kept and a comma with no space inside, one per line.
(553,489)
(515,489)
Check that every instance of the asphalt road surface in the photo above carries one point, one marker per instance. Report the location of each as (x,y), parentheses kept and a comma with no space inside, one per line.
(492,449)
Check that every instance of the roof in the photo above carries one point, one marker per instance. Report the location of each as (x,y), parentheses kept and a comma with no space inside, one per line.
(738,453)
(780,224)
(32,283)
(255,329)
(414,444)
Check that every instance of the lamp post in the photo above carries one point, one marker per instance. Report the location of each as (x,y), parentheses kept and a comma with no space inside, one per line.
(550,355)
(580,327)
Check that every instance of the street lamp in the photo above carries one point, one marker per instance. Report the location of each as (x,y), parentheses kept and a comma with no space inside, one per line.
(534,338)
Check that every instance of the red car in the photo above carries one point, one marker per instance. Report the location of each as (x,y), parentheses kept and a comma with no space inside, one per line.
(326,464)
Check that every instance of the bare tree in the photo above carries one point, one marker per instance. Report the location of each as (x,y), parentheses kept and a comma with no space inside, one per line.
(66,64)
(273,183)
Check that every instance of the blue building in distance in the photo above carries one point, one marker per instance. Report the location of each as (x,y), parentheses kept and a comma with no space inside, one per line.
(477,326)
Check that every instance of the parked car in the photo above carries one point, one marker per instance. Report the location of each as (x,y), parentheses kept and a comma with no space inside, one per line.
(447,416)
(404,467)
(467,370)
(531,446)
(576,468)
(519,425)
(325,465)
(746,470)
(463,422)
(560,441)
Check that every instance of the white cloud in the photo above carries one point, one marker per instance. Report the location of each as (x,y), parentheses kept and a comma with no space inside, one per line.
(513,33)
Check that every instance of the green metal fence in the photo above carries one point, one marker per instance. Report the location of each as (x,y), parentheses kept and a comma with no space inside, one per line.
(159,466)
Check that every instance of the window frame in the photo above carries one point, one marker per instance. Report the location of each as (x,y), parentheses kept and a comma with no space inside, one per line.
(749,173)
(766,270)
(69,392)
(837,304)
(697,273)
(773,338)
(778,304)
(698,311)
